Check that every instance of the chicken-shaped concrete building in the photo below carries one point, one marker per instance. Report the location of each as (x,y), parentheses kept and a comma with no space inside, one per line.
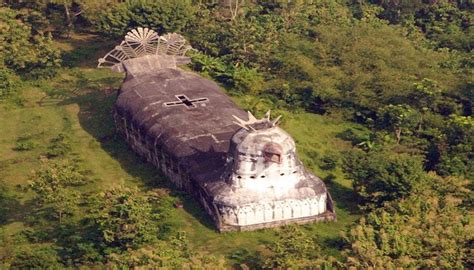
(244,171)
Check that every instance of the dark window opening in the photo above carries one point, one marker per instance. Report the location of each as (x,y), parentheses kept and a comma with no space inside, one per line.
(273,157)
(184,100)
(263,176)
(282,174)
(253,176)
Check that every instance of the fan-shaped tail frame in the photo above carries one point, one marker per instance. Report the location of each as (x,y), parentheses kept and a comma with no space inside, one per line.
(143,41)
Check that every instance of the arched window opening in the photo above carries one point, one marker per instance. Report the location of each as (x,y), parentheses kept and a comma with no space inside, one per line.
(272,153)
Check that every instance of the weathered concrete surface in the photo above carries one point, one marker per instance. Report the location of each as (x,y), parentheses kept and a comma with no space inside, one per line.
(183,124)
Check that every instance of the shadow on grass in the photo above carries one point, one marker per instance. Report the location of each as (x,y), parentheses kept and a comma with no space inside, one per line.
(11,209)
(86,49)
(95,117)
(192,207)
(344,197)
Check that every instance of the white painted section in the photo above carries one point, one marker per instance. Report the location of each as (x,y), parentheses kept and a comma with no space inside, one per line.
(274,211)
(314,206)
(322,203)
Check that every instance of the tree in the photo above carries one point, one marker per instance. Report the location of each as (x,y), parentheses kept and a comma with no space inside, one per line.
(174,253)
(397,11)
(429,229)
(22,51)
(400,118)
(163,16)
(52,185)
(8,81)
(457,148)
(233,6)
(295,249)
(72,9)
(380,177)
(62,15)
(426,93)
(125,218)
(447,23)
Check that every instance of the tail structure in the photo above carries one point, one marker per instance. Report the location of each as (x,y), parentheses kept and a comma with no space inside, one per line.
(141,42)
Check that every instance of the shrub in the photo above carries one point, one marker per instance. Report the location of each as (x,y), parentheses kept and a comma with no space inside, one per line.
(453,153)
(24,146)
(213,66)
(36,258)
(59,146)
(247,80)
(329,162)
(242,78)
(8,81)
(24,143)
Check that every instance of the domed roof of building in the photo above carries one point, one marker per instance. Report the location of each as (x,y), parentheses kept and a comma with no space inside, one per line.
(260,136)
(269,140)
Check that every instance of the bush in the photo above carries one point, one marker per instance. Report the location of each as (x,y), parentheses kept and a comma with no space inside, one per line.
(36,258)
(244,79)
(8,81)
(247,80)
(211,66)
(24,143)
(329,162)
(59,146)
(401,119)
(24,146)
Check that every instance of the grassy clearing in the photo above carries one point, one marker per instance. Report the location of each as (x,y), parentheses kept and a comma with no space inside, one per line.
(78,101)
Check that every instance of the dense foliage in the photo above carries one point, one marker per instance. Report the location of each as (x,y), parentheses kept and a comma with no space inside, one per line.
(295,249)
(52,185)
(426,230)
(174,253)
(125,218)
(401,71)
(164,16)
(22,50)
(378,177)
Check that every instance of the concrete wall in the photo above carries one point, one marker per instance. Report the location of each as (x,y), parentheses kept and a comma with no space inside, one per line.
(256,213)
(247,217)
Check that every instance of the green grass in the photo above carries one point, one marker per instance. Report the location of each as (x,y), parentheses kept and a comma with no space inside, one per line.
(75,103)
